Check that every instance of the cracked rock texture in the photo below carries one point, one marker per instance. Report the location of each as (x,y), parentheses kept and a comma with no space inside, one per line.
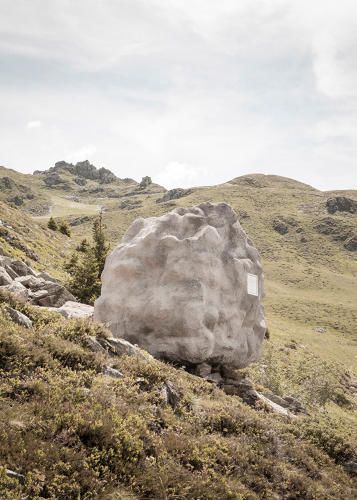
(177,285)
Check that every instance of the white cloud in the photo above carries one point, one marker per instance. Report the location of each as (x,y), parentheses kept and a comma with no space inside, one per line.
(186,91)
(34,124)
(176,174)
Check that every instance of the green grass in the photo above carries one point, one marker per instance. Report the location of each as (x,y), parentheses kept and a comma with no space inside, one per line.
(75,433)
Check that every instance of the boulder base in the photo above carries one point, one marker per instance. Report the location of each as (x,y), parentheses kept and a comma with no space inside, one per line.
(186,287)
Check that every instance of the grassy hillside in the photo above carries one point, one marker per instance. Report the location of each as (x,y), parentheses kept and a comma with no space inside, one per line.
(311,297)
(310,276)
(69,431)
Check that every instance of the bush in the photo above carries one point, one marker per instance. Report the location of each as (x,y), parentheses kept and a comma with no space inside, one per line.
(52,224)
(64,229)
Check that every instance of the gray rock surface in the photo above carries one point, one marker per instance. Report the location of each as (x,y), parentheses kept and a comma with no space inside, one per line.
(177,286)
(5,279)
(19,318)
(341,204)
(75,310)
(112,372)
(17,289)
(38,287)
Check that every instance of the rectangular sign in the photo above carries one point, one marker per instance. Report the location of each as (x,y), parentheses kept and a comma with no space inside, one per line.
(252,284)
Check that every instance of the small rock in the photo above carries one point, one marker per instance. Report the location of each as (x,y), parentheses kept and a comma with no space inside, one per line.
(203,370)
(36,296)
(276,408)
(145,182)
(5,279)
(320,330)
(15,475)
(75,310)
(45,276)
(94,345)
(17,289)
(170,395)
(215,377)
(30,281)
(112,372)
(351,244)
(21,268)
(10,271)
(19,318)
(280,227)
(121,347)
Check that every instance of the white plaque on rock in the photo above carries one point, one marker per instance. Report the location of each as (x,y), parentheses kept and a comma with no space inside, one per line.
(252,284)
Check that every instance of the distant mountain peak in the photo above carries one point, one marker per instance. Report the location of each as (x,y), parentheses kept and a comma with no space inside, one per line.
(83,169)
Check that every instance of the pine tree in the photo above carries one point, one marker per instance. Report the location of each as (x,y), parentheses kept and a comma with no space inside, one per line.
(64,229)
(100,246)
(86,265)
(52,224)
(84,246)
(84,282)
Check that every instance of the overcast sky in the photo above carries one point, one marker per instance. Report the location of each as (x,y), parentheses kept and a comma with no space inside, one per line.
(190,92)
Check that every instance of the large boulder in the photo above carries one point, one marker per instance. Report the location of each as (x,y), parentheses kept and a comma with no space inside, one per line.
(187,287)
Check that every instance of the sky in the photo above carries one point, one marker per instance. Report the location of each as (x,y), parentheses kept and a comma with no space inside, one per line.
(189,92)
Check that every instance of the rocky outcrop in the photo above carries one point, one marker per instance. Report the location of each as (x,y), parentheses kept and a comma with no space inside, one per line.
(174,194)
(145,182)
(37,287)
(341,204)
(82,170)
(187,287)
(351,244)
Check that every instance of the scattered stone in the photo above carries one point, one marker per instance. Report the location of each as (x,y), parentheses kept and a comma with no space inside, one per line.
(15,475)
(17,289)
(145,182)
(5,279)
(205,282)
(94,345)
(130,204)
(45,276)
(10,272)
(351,244)
(341,204)
(320,329)
(75,310)
(57,295)
(37,296)
(80,220)
(170,395)
(276,408)
(30,281)
(280,226)
(19,318)
(290,403)
(174,194)
(336,228)
(22,269)
(120,347)
(203,370)
(112,372)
